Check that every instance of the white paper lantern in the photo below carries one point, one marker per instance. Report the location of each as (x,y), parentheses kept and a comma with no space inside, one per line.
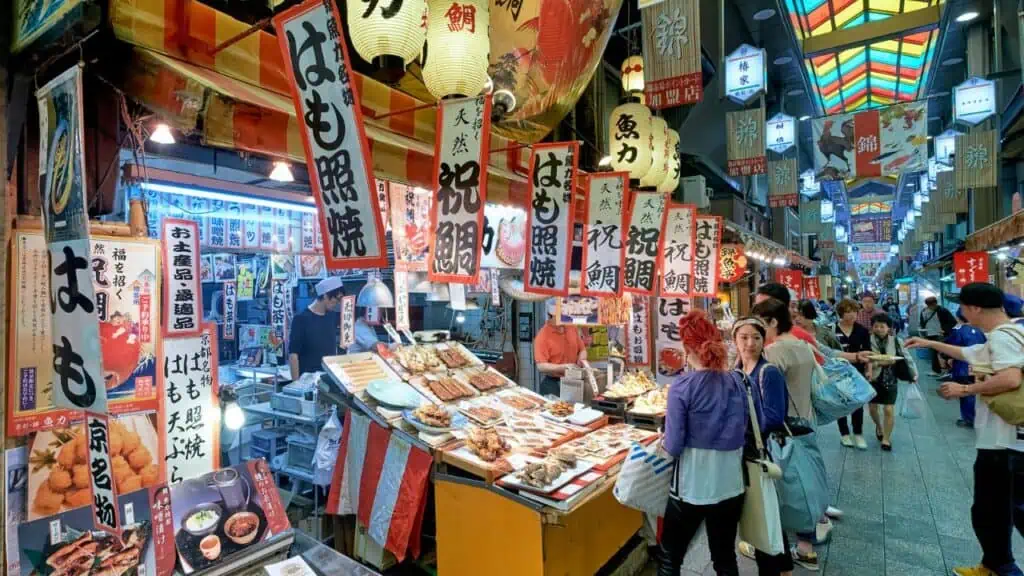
(659,154)
(671,181)
(629,139)
(633,74)
(387,29)
(458,47)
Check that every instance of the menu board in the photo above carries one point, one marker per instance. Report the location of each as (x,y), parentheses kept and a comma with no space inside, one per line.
(705,261)
(230,310)
(643,241)
(604,225)
(667,344)
(677,253)
(191,410)
(549,219)
(182,291)
(638,348)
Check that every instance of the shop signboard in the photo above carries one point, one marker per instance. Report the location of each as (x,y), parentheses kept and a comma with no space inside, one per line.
(266,228)
(191,408)
(668,348)
(945,149)
(34,18)
(337,151)
(199,209)
(230,313)
(884,141)
(672,58)
(793,280)
(676,257)
(504,239)
(745,74)
(732,263)
(812,288)
(638,331)
(401,300)
(217,223)
(974,101)
(977,160)
(251,227)
(101,474)
(348,321)
(410,226)
(970,267)
(871,229)
(745,144)
(604,225)
(183,293)
(234,225)
(647,215)
(705,260)
(62,158)
(549,218)
(279,312)
(783,183)
(810,219)
(460,184)
(780,133)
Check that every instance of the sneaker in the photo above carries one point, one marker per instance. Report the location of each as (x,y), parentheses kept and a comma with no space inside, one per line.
(747,549)
(822,532)
(979,570)
(810,561)
(964,424)
(833,512)
(846,441)
(859,442)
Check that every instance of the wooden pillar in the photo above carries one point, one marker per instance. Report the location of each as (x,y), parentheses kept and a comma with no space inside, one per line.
(7,204)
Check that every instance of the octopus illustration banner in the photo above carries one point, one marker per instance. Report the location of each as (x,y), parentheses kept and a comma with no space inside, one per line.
(884,141)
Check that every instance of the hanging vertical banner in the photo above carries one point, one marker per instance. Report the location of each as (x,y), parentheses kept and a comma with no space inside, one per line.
(676,257)
(672,59)
(949,199)
(62,158)
(812,288)
(783,183)
(230,315)
(101,474)
(337,152)
(191,412)
(791,279)
(495,287)
(251,227)
(410,226)
(218,224)
(460,189)
(810,217)
(234,225)
(977,160)
(348,321)
(732,263)
(182,292)
(401,300)
(970,267)
(647,216)
(705,261)
(307,233)
(549,218)
(266,228)
(668,348)
(744,130)
(604,223)
(638,351)
(279,312)
(884,141)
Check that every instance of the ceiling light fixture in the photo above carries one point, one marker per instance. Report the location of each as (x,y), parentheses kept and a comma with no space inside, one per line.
(967,16)
(795,92)
(783,60)
(765,14)
(805,118)
(952,61)
(282,172)
(162,134)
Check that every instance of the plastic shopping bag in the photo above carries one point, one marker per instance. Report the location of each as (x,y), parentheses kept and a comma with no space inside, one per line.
(911,402)
(803,489)
(842,391)
(327,450)
(644,479)
(760,523)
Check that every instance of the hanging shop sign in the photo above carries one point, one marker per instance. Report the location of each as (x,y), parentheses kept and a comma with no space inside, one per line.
(62,158)
(745,74)
(884,141)
(812,288)
(793,280)
(182,291)
(671,182)
(550,218)
(191,414)
(230,312)
(410,226)
(810,218)
(945,148)
(705,260)
(101,474)
(671,44)
(970,267)
(457,214)
(668,348)
(732,263)
(949,199)
(638,351)
(348,321)
(604,224)
(401,300)
(647,216)
(974,101)
(629,139)
(783,183)
(780,133)
(504,238)
(977,160)
(337,152)
(745,142)
(34,18)
(676,257)
(279,312)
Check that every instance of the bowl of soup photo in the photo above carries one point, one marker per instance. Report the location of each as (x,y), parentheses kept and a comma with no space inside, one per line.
(202,520)
(242,527)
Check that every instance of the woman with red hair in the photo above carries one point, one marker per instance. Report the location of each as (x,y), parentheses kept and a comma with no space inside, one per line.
(705,427)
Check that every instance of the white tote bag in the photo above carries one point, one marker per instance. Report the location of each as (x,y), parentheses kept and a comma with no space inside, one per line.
(760,522)
(643,481)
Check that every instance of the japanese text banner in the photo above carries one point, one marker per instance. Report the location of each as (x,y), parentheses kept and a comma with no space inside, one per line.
(970,267)
(793,280)
(347,325)
(670,359)
(337,153)
(191,411)
(604,224)
(677,254)
(549,218)
(182,291)
(783,183)
(705,261)
(638,350)
(671,41)
(104,504)
(812,288)
(647,216)
(460,189)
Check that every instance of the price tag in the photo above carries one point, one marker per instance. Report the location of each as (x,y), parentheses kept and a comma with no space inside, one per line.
(54,531)
(405,332)
(392,333)
(129,513)
(457,292)
(495,289)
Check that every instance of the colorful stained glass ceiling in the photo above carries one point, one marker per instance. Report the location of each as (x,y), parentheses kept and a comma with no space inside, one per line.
(817,17)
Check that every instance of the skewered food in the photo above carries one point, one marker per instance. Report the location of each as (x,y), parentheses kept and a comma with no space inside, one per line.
(417,359)
(452,358)
(562,409)
(521,401)
(631,384)
(362,372)
(433,415)
(487,444)
(447,389)
(486,380)
(653,402)
(483,413)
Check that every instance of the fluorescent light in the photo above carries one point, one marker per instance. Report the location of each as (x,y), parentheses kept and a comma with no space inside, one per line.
(967,16)
(765,14)
(606,161)
(805,118)
(210,195)
(162,134)
(783,60)
(460,318)
(282,172)
(952,62)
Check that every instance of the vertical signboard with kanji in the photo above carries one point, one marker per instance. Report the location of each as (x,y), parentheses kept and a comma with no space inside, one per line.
(230,304)
(977,160)
(745,142)
(643,241)
(337,153)
(638,349)
(672,58)
(604,224)
(401,300)
(460,184)
(549,218)
(812,288)
(677,253)
(970,267)
(783,183)
(348,321)
(191,413)
(793,280)
(104,504)
(668,349)
(182,292)
(705,260)
(279,298)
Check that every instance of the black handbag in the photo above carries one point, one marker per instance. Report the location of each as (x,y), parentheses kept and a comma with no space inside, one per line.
(901,369)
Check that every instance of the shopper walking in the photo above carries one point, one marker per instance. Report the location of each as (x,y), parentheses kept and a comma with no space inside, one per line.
(963,334)
(705,426)
(935,324)
(867,310)
(806,316)
(884,377)
(854,339)
(999,465)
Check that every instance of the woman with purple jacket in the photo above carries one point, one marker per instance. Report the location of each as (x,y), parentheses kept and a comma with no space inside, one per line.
(705,427)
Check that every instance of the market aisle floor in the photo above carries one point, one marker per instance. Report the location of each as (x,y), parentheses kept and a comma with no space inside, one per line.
(907,513)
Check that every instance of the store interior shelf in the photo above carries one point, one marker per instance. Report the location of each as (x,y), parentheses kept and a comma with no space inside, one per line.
(264,409)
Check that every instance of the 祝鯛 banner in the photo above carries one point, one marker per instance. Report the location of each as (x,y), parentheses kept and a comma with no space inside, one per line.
(745,142)
(732,263)
(460,184)
(705,260)
(970,267)
(872,143)
(668,349)
(183,294)
(549,219)
(791,279)
(677,251)
(977,160)
(672,58)
(191,407)
(337,153)
(604,225)
(647,216)
(638,349)
(783,183)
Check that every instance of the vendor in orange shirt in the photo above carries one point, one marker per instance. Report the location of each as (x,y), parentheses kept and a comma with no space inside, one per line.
(556,348)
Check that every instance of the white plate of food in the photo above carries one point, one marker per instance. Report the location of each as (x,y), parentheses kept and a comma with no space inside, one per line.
(546,475)
(434,419)
(392,393)
(561,411)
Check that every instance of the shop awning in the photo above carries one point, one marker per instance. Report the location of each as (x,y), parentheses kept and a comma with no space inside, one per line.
(995,235)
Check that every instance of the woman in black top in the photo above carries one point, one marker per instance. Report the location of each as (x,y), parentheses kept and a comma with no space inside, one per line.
(854,338)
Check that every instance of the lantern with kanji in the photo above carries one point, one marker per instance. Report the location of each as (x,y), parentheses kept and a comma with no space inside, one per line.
(633,75)
(629,139)
(458,46)
(671,181)
(659,154)
(390,35)
(732,263)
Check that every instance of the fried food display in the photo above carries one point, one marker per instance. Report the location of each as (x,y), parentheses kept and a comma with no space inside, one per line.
(562,409)
(520,400)
(433,415)
(631,384)
(606,442)
(545,472)
(417,359)
(487,444)
(653,402)
(484,414)
(447,389)
(485,380)
(361,372)
(98,554)
(452,357)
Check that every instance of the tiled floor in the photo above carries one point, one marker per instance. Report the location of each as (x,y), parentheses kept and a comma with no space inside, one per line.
(907,513)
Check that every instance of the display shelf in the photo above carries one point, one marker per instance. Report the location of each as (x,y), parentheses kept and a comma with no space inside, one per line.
(264,409)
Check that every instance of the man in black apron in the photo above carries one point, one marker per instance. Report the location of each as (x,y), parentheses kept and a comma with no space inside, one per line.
(556,348)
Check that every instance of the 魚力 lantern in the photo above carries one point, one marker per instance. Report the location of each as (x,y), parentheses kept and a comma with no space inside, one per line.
(629,139)
(388,34)
(458,46)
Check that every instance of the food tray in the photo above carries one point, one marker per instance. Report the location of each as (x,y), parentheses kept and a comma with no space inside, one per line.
(614,407)
(460,456)
(466,407)
(528,400)
(458,421)
(468,372)
(510,480)
(646,421)
(419,382)
(603,446)
(354,372)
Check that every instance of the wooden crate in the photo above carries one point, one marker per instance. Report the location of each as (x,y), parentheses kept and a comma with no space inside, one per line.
(646,421)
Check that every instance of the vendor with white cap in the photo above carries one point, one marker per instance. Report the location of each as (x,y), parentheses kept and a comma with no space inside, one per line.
(315,330)
(556,348)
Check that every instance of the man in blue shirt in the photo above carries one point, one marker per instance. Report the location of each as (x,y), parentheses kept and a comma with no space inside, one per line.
(964,334)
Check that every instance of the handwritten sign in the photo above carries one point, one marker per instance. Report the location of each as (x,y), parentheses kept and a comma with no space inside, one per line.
(604,224)
(677,253)
(279,309)
(182,292)
(791,279)
(101,474)
(230,314)
(970,267)
(337,152)
(638,349)
(643,241)
(549,218)
(460,184)
(191,411)
(705,261)
(669,359)
(348,321)
(401,300)
(496,287)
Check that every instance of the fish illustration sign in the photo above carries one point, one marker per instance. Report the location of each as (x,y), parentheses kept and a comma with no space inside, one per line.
(872,143)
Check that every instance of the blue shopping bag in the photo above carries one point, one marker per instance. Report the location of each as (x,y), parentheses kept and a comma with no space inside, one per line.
(839,390)
(803,489)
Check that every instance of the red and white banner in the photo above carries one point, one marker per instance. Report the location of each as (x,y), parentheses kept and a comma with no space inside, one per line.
(183,295)
(638,347)
(812,288)
(647,216)
(970,267)
(872,143)
(460,189)
(791,279)
(676,257)
(705,260)
(382,479)
(604,229)
(337,152)
(549,218)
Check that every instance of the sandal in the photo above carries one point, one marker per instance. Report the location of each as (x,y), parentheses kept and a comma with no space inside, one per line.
(886,447)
